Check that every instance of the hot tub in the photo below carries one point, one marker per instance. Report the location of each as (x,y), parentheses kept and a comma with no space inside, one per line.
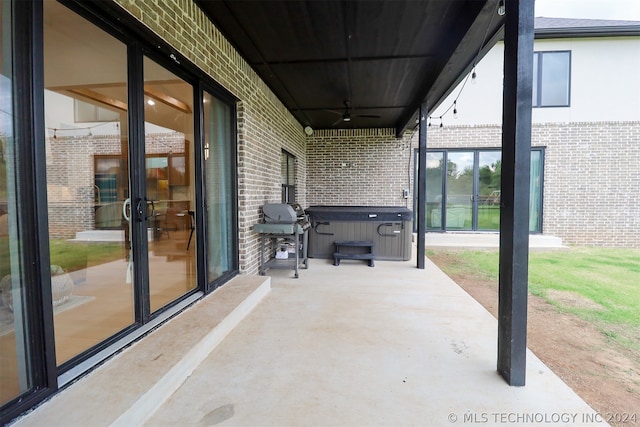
(389,227)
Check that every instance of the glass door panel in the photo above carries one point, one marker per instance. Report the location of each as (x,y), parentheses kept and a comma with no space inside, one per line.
(488,197)
(170,194)
(459,207)
(535,192)
(219,186)
(87,181)
(15,378)
(435,171)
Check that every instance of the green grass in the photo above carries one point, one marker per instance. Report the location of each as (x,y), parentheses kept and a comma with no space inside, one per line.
(607,277)
(73,256)
(70,256)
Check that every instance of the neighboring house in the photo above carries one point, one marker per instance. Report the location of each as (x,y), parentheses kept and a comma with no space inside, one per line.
(585,165)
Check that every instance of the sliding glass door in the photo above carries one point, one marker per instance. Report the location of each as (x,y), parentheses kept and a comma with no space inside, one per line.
(122,243)
(170,194)
(460,188)
(88,185)
(219,187)
(463,190)
(487,195)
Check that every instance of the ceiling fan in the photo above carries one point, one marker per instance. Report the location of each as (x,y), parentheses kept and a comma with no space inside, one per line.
(346,115)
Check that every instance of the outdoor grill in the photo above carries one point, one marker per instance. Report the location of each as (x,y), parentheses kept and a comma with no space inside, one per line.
(285,228)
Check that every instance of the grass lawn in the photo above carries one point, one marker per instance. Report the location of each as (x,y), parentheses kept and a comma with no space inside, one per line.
(601,285)
(70,256)
(73,256)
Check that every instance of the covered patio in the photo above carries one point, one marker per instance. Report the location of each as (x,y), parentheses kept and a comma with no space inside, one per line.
(349,345)
(363,345)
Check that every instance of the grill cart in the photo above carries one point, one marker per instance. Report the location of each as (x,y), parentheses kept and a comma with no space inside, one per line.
(285,232)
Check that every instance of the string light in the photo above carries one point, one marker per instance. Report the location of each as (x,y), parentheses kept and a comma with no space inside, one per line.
(473,75)
(57,130)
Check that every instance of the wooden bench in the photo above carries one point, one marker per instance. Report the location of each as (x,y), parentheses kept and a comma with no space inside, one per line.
(342,244)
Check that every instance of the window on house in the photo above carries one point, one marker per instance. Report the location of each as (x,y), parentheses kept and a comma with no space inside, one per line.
(288,169)
(551,79)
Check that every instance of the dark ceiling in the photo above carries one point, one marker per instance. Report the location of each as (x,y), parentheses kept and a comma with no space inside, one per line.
(383,57)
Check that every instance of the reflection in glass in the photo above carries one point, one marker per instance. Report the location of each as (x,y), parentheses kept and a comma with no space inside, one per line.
(459,190)
(219,190)
(87,181)
(435,167)
(489,171)
(554,82)
(14,345)
(535,192)
(168,111)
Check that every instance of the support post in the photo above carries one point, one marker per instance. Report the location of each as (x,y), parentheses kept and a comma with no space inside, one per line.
(420,210)
(514,211)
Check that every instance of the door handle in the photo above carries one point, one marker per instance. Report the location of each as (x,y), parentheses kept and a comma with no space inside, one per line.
(140,209)
(126,213)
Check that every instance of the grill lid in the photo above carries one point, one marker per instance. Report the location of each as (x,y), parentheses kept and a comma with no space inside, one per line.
(279,213)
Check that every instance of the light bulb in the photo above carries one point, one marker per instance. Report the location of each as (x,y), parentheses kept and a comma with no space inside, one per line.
(501,8)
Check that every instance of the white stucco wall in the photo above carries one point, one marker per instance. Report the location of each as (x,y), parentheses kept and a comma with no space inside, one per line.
(605,85)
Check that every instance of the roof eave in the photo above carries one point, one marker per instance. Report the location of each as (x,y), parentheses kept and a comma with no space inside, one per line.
(551,33)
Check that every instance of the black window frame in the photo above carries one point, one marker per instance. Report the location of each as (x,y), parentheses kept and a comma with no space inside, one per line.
(536,101)
(26,44)
(445,151)
(288,188)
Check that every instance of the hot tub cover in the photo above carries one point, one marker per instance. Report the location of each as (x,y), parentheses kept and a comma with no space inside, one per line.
(359,213)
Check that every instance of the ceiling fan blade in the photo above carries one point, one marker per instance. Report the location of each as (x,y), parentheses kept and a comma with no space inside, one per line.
(334,112)
(337,121)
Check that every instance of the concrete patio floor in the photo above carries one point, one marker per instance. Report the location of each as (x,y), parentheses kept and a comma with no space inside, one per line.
(340,346)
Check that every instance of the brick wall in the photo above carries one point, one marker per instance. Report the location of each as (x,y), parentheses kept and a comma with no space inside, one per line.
(591,177)
(358,167)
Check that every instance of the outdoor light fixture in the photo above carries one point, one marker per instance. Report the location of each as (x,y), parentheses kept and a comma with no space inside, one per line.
(501,9)
(455,109)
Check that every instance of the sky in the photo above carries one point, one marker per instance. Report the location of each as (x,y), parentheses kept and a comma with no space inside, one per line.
(627,10)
